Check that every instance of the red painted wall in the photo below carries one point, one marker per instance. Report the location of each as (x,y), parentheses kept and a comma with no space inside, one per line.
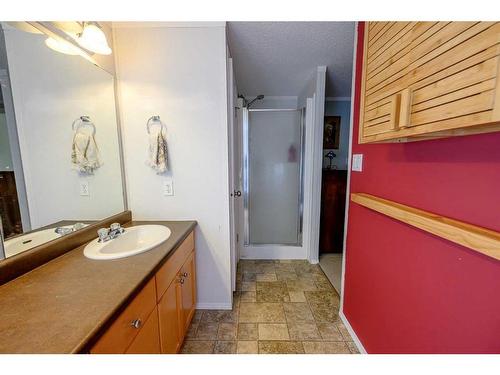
(407,291)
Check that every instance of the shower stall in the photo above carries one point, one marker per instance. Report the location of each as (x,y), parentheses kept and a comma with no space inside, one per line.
(273,159)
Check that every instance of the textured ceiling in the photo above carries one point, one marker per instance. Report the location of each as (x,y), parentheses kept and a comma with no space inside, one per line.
(279,58)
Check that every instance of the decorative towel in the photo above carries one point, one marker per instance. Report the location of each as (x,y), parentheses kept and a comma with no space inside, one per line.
(158,158)
(85,153)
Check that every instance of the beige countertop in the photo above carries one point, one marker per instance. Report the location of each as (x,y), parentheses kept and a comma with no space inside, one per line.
(62,305)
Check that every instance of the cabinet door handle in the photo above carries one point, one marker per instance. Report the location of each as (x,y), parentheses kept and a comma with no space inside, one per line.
(181,280)
(395,111)
(185,274)
(406,97)
(136,323)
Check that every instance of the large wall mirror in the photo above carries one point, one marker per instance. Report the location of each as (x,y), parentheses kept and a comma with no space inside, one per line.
(60,164)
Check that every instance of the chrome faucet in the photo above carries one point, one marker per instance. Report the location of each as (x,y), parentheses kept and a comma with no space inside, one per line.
(106,234)
(62,231)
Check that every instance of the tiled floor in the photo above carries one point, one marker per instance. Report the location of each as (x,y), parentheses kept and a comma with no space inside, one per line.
(280,307)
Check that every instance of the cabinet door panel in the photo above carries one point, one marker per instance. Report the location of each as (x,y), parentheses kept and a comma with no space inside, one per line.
(147,340)
(121,333)
(169,309)
(441,79)
(188,291)
(167,272)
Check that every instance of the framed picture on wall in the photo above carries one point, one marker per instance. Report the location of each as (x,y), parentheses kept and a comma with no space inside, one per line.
(331,132)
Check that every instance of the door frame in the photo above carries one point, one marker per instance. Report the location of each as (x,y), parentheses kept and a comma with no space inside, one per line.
(233,212)
(316,164)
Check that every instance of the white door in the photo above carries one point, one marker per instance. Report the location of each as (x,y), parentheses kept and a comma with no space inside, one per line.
(235,205)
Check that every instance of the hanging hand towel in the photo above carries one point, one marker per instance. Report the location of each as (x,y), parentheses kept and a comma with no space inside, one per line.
(158,159)
(85,153)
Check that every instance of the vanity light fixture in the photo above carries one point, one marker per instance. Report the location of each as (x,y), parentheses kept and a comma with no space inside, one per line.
(61,41)
(93,39)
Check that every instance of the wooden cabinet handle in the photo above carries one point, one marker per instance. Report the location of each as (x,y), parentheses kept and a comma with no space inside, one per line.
(405,108)
(395,111)
(136,323)
(185,274)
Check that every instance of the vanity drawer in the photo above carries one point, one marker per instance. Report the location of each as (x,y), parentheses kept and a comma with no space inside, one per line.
(167,272)
(122,332)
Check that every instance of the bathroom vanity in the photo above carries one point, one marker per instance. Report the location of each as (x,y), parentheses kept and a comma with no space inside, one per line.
(156,320)
(71,304)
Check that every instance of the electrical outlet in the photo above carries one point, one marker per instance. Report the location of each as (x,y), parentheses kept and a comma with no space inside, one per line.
(168,187)
(357,162)
(84,189)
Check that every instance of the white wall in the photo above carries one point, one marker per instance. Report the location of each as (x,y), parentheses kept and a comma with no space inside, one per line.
(340,108)
(49,91)
(275,102)
(313,98)
(180,74)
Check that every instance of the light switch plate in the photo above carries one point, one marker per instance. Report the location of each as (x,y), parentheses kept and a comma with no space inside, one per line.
(84,189)
(168,187)
(357,162)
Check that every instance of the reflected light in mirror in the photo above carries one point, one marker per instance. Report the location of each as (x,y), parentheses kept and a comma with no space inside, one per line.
(67,48)
(61,46)
(93,39)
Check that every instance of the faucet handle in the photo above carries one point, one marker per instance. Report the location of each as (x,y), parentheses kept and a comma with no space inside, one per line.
(115,227)
(103,233)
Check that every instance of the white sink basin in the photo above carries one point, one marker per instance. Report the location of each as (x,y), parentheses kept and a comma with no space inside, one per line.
(133,241)
(27,241)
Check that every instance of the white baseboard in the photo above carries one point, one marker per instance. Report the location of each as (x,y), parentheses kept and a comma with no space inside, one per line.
(352,333)
(213,306)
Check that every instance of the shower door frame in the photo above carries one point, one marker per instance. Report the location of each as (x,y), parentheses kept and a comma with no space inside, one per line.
(300,204)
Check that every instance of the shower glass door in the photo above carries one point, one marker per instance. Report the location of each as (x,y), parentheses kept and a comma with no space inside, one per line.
(273,156)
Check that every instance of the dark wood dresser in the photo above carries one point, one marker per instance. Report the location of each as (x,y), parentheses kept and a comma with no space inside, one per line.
(9,205)
(333,192)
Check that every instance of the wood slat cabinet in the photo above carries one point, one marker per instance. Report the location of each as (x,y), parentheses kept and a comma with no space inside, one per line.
(424,80)
(157,319)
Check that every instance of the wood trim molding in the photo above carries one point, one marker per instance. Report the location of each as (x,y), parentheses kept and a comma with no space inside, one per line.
(482,240)
(28,260)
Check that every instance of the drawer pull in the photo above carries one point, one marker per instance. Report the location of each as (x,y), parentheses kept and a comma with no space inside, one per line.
(136,323)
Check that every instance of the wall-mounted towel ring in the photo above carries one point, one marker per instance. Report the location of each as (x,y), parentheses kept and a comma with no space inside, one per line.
(83,121)
(153,119)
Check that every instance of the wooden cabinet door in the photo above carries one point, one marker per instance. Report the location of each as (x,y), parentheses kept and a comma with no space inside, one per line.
(147,340)
(188,292)
(123,331)
(452,78)
(169,316)
(429,80)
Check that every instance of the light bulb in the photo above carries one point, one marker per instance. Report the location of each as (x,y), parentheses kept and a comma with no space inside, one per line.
(93,39)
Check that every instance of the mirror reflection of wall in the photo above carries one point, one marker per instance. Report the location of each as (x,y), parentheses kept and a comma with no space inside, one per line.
(49,91)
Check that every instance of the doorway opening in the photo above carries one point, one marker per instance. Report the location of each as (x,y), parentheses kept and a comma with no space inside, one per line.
(333,187)
(272,180)
(10,214)
(273,217)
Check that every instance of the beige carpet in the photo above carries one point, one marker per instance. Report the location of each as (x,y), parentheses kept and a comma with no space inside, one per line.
(331,264)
